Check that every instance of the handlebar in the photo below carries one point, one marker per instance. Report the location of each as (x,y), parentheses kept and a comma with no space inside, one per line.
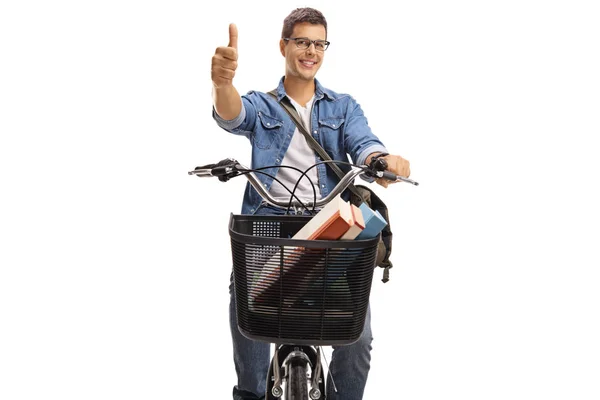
(229,168)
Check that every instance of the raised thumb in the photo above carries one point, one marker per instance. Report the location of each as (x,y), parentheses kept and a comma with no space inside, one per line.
(233,36)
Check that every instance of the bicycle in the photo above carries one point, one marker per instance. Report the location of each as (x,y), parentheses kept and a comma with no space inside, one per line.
(315,292)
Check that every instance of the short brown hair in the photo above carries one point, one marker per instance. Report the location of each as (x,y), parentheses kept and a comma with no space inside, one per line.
(300,15)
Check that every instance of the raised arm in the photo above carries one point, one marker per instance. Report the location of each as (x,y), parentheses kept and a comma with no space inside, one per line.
(226,99)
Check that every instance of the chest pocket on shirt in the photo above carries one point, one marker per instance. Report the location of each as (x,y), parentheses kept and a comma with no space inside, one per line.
(268,128)
(332,135)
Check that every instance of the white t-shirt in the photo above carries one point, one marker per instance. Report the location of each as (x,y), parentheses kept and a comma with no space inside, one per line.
(301,156)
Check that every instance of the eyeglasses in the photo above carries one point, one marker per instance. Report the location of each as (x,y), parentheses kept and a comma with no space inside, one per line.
(304,43)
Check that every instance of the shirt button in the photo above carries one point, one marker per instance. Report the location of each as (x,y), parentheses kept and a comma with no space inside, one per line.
(331,125)
(322,186)
(278,160)
(315,132)
(268,124)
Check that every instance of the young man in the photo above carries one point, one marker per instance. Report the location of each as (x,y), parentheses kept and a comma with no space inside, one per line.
(337,122)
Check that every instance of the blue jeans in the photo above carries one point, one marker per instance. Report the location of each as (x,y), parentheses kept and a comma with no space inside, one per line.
(349,364)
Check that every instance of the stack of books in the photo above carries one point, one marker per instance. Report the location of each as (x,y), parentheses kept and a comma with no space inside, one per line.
(338,220)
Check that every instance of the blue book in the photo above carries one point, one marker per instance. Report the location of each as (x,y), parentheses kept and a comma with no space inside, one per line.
(374,222)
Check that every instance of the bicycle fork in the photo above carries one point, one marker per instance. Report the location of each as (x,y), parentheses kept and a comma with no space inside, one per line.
(293,371)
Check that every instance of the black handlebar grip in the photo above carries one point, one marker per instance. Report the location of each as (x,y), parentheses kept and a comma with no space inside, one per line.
(219,171)
(389,176)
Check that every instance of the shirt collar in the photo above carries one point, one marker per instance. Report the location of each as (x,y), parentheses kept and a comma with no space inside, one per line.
(320,91)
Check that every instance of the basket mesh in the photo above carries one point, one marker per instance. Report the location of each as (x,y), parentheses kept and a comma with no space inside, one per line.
(302,292)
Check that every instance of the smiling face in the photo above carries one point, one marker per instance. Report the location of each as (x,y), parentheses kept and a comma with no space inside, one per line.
(303,64)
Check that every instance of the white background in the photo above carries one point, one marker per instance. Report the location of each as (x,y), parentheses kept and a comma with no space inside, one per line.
(114,261)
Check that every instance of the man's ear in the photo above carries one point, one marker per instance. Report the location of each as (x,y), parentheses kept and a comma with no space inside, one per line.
(282,46)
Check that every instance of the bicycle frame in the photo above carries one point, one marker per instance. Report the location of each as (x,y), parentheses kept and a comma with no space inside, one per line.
(290,364)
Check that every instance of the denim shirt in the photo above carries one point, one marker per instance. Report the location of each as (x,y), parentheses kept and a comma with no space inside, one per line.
(337,123)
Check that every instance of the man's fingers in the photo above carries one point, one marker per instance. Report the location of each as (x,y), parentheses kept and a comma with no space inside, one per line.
(233,36)
(224,63)
(383,182)
(399,166)
(226,52)
(405,168)
(220,72)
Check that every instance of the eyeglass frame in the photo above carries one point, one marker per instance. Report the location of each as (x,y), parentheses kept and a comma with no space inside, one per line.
(313,42)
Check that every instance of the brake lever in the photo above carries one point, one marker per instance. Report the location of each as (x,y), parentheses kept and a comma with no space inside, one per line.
(224,170)
(227,161)
(378,169)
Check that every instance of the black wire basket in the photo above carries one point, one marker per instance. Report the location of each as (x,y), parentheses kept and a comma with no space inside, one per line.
(312,292)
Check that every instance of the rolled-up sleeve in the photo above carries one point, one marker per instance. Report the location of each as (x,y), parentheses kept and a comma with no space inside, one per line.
(230,124)
(359,139)
(370,150)
(243,124)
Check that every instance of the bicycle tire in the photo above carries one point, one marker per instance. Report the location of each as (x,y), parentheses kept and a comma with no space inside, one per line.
(297,386)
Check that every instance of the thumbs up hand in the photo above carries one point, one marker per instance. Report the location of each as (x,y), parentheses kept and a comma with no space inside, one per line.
(224,62)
